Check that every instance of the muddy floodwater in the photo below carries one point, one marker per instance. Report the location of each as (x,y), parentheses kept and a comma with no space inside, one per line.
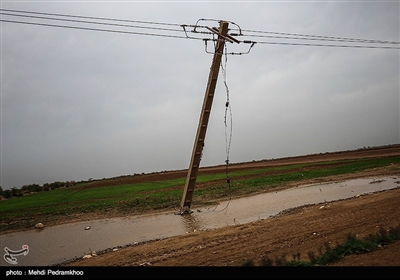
(57,244)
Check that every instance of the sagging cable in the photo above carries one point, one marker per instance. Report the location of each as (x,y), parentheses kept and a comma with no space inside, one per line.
(228,127)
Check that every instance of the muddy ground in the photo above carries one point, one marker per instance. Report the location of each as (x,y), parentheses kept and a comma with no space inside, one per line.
(299,231)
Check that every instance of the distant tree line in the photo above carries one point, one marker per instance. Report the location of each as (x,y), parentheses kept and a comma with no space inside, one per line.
(34,188)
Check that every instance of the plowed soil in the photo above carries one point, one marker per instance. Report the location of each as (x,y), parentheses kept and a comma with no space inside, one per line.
(295,232)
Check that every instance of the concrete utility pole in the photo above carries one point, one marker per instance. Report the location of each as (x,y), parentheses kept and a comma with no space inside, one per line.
(203,122)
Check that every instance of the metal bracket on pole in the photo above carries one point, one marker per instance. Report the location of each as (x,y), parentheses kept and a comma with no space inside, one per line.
(203,122)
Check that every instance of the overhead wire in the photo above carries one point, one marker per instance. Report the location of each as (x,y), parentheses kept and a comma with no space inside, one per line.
(299,36)
(295,36)
(89,17)
(243,33)
(92,22)
(328,45)
(323,39)
(316,37)
(98,29)
(76,20)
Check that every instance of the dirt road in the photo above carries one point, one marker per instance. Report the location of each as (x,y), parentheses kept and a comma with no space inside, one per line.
(295,232)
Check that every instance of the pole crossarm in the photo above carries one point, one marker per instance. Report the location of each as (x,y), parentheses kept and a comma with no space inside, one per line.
(203,121)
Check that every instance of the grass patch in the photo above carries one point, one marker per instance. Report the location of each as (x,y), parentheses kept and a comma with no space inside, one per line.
(293,173)
(328,255)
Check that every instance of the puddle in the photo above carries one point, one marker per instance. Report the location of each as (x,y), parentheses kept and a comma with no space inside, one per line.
(57,244)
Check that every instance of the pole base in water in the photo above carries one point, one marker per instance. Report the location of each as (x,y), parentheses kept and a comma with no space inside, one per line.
(185,210)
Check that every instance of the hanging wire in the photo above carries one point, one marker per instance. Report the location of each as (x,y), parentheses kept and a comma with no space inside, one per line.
(227,108)
(228,139)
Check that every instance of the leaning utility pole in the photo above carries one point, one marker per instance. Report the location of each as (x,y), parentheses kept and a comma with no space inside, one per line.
(203,122)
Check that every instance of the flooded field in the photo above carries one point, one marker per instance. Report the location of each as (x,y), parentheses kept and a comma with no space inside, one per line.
(57,244)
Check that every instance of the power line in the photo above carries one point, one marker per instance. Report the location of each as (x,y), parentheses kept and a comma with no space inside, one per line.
(317,37)
(195,30)
(329,45)
(97,29)
(67,18)
(299,36)
(325,39)
(91,22)
(87,17)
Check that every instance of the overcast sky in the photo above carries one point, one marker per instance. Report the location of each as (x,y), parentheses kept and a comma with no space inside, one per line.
(79,104)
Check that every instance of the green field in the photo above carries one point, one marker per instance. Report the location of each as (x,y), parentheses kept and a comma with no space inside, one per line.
(166,195)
